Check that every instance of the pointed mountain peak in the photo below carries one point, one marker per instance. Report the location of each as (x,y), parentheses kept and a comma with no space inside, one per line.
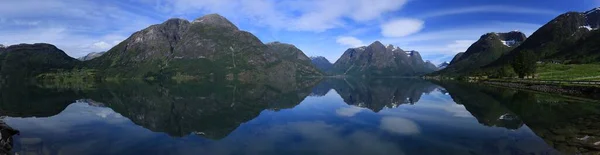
(319,58)
(176,20)
(215,20)
(594,10)
(377,44)
(414,53)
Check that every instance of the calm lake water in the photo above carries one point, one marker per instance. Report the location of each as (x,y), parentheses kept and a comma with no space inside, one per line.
(331,116)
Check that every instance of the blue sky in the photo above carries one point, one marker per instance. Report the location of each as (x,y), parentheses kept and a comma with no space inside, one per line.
(437,28)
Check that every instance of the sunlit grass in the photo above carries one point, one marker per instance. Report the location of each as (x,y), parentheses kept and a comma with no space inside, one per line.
(572,72)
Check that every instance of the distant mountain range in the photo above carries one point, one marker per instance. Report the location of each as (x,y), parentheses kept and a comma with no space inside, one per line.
(91,56)
(211,47)
(443,65)
(379,60)
(322,63)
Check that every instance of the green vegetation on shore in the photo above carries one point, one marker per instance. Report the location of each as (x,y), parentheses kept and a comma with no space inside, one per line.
(569,72)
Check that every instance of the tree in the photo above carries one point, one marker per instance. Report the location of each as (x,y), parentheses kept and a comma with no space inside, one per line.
(524,63)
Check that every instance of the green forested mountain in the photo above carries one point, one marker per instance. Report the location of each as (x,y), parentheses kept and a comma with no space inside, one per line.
(456,57)
(487,49)
(28,60)
(586,50)
(210,46)
(379,60)
(564,33)
(569,38)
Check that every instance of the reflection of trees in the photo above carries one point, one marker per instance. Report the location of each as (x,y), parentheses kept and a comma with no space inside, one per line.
(485,107)
(20,100)
(378,93)
(212,110)
(208,109)
(569,125)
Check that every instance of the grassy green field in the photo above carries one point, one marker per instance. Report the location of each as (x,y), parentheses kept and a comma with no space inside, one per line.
(572,72)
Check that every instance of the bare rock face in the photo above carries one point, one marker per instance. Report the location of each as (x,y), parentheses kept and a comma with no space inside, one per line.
(215,20)
(210,46)
(379,60)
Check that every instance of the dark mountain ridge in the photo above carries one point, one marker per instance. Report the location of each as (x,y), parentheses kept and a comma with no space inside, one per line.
(28,60)
(487,49)
(560,34)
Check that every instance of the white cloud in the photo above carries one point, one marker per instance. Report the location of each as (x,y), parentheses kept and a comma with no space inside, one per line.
(102,45)
(401,27)
(459,46)
(76,27)
(298,15)
(399,125)
(348,111)
(490,8)
(349,41)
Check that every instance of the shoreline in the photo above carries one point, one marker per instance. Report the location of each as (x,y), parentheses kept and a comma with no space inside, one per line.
(585,91)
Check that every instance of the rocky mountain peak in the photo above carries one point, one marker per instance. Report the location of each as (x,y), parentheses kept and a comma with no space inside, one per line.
(593,18)
(318,57)
(279,43)
(321,63)
(594,10)
(176,21)
(91,56)
(215,20)
(414,54)
(512,38)
(377,44)
(443,65)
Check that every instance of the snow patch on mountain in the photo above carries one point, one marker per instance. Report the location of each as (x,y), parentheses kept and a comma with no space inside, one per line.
(509,43)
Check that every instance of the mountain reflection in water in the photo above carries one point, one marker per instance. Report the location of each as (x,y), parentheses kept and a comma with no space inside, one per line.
(329,116)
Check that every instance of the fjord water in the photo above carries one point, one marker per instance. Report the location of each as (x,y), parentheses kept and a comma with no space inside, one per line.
(330,116)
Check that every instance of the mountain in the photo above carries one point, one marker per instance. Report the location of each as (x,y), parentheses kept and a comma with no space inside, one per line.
(560,34)
(379,60)
(443,65)
(321,63)
(486,50)
(208,47)
(587,50)
(430,66)
(456,57)
(29,60)
(379,94)
(91,56)
(296,59)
